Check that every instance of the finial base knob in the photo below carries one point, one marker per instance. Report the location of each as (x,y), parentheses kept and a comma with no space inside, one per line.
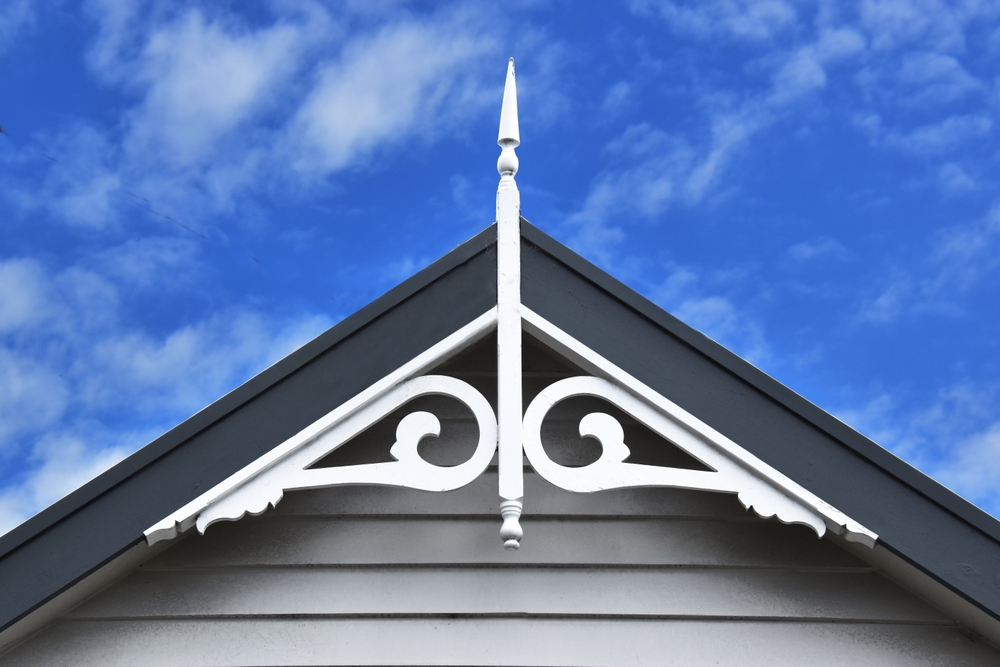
(510,531)
(507,163)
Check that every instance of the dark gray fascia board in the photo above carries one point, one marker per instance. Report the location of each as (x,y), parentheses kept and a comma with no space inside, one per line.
(72,538)
(915,517)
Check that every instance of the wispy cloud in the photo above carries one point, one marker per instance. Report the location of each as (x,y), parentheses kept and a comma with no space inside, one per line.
(942,137)
(707,303)
(955,437)
(825,247)
(405,80)
(753,20)
(62,462)
(72,363)
(895,24)
(223,106)
(15,17)
(888,58)
(204,79)
(960,259)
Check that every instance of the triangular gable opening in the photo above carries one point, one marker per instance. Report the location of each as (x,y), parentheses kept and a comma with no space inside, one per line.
(560,438)
(664,447)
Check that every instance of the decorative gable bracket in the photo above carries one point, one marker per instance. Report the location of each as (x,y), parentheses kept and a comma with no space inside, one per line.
(513,433)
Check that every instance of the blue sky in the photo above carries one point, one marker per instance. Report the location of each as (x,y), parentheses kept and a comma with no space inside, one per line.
(189,190)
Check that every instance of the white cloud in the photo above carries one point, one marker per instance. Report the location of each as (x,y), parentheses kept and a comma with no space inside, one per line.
(223,106)
(822,247)
(150,261)
(15,17)
(406,80)
(931,24)
(32,395)
(805,71)
(684,170)
(954,179)
(955,437)
(82,187)
(76,368)
(189,367)
(118,24)
(658,167)
(718,318)
(396,272)
(875,420)
(941,137)
(89,302)
(65,461)
(116,371)
(700,301)
(23,298)
(204,79)
(617,96)
(972,467)
(890,301)
(961,257)
(935,78)
(753,20)
(963,254)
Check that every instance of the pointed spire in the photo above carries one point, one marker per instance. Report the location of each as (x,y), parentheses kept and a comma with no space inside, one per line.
(509,131)
(510,134)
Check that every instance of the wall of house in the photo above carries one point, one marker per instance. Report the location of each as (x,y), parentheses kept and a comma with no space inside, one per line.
(380,576)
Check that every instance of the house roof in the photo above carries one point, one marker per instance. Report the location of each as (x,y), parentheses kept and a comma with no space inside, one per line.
(915,517)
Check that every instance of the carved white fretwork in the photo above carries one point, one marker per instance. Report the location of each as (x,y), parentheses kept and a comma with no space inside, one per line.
(758,485)
(508,433)
(263,482)
(410,470)
(611,472)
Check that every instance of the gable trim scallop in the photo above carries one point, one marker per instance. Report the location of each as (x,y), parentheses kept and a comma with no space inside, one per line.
(760,487)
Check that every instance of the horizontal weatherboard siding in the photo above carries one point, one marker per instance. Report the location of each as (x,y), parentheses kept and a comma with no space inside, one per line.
(499,641)
(563,591)
(459,540)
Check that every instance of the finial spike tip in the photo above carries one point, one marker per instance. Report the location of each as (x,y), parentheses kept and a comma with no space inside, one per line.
(509,131)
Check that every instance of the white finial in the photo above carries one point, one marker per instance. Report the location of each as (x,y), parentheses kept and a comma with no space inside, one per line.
(510,135)
(509,387)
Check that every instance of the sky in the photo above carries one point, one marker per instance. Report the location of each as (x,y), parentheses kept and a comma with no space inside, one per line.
(190,190)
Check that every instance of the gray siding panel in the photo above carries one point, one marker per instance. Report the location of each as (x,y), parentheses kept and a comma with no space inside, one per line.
(498,641)
(476,541)
(543,500)
(659,593)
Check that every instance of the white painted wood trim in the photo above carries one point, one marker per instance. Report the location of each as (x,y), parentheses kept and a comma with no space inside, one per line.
(509,387)
(185,517)
(681,427)
(409,469)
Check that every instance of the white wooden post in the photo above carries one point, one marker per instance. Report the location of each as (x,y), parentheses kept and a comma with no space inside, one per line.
(509,320)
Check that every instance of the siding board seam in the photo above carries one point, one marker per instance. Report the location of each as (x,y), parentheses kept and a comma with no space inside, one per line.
(860,570)
(504,615)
